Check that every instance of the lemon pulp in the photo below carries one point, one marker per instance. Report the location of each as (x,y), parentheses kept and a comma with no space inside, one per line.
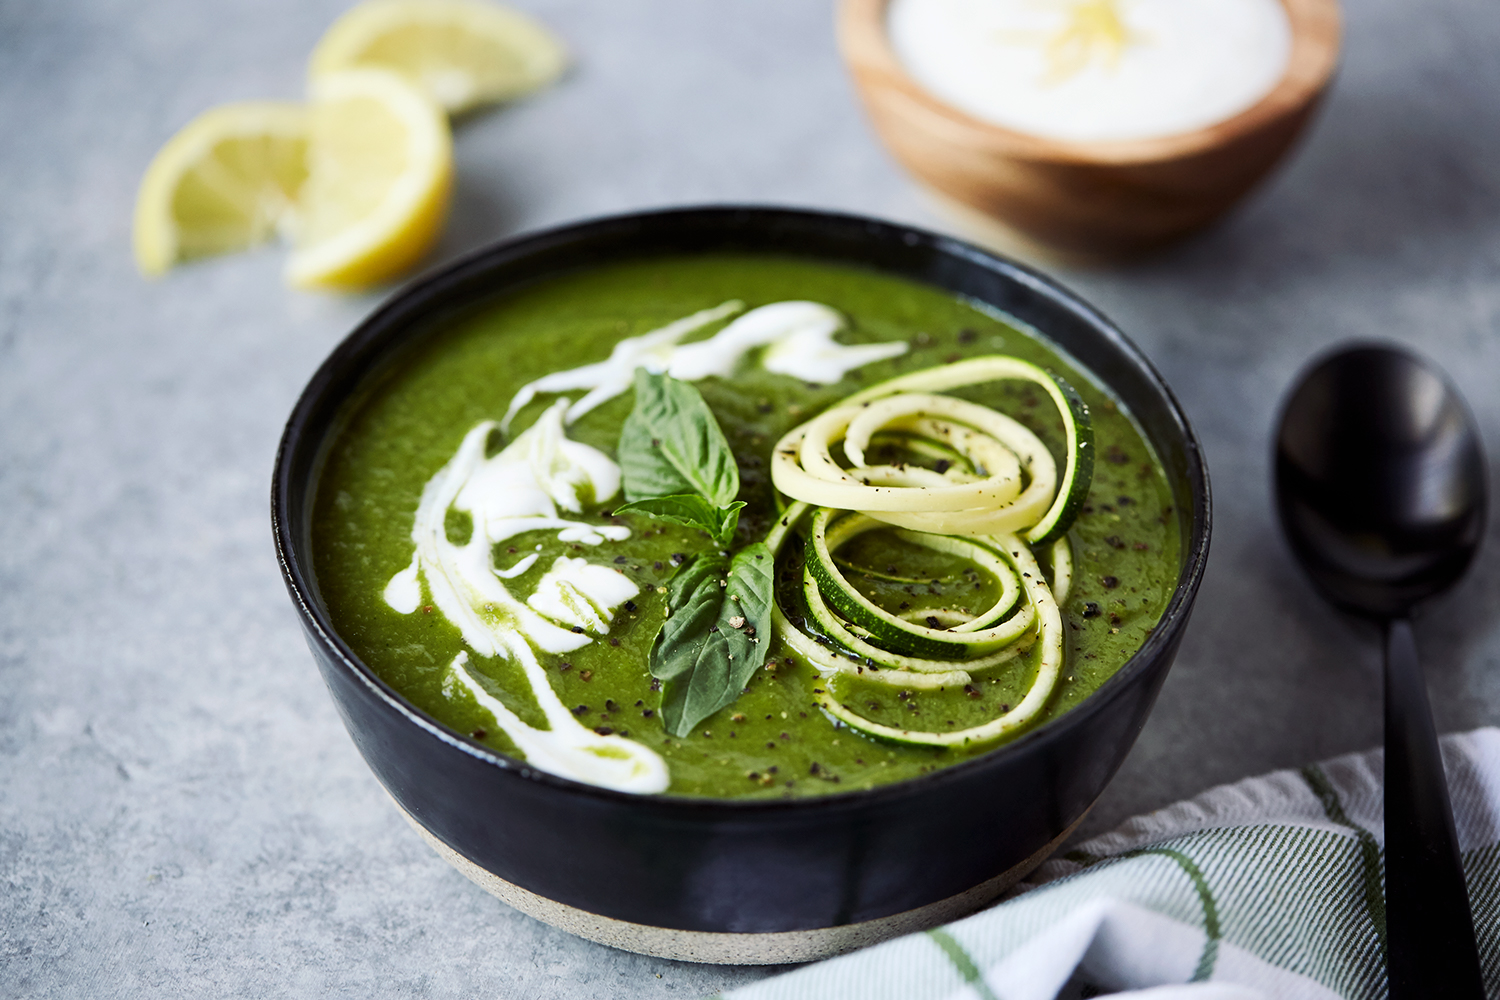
(380,169)
(228,180)
(463,53)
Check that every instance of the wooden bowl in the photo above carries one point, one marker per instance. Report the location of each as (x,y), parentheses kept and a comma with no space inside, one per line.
(1084,199)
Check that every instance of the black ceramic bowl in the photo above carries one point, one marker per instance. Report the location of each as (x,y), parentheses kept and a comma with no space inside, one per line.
(731,881)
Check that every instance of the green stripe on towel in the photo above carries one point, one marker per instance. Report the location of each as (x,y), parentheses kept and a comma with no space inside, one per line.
(1372,868)
(962,962)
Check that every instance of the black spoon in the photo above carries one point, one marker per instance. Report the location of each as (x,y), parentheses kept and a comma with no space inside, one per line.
(1380,483)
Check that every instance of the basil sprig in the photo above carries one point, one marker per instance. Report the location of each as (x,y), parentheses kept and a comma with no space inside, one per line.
(678,467)
(676,464)
(715,636)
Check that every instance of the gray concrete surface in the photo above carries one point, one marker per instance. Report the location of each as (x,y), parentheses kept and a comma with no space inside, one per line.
(181,813)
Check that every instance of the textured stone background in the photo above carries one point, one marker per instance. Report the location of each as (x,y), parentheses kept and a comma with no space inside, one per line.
(181,813)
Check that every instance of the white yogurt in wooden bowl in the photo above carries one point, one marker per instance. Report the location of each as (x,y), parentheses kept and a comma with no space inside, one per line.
(1094,70)
(1088,129)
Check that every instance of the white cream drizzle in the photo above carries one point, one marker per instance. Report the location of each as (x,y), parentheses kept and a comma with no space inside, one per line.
(806,349)
(579,593)
(608,378)
(567,748)
(798,337)
(517,490)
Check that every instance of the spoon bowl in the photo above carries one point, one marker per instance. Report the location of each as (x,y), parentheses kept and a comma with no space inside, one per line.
(1380,479)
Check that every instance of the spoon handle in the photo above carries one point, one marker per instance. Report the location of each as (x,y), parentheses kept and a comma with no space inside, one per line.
(1430,932)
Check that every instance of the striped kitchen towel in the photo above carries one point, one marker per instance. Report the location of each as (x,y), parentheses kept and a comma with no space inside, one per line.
(1271,887)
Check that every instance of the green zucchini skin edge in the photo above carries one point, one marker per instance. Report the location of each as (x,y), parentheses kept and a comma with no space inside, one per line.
(835,594)
(1014,719)
(1079,475)
(900,639)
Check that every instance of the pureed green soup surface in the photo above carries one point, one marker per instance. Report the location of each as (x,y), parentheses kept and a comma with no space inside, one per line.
(773,740)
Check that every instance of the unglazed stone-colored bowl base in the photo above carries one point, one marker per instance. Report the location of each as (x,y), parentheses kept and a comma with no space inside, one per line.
(737,949)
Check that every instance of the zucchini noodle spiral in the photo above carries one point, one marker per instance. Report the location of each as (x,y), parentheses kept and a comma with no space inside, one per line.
(993,495)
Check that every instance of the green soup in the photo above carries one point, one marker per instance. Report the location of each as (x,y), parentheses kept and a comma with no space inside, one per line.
(773,740)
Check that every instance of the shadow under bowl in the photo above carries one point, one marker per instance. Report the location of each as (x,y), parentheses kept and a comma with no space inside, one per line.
(752,882)
(1084,201)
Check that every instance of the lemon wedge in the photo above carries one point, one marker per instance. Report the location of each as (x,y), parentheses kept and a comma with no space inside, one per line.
(379,172)
(228,180)
(462,52)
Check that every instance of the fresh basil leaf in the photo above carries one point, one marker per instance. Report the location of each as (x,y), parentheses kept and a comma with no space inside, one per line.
(702,659)
(729,519)
(691,510)
(671,444)
(682,508)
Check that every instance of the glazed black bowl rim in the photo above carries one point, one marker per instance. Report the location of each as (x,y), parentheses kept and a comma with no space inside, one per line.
(433,285)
